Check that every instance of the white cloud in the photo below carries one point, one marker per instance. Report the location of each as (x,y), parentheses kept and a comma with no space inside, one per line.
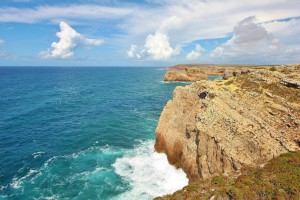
(69,40)
(138,56)
(248,39)
(286,31)
(131,51)
(53,13)
(181,21)
(196,53)
(1,42)
(170,23)
(186,21)
(158,47)
(271,42)
(190,20)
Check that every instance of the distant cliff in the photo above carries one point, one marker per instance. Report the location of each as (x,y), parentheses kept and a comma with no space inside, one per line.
(217,127)
(202,72)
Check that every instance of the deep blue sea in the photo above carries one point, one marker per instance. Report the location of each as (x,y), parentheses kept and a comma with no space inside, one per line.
(83,133)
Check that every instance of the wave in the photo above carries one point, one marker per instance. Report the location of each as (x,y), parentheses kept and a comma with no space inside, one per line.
(105,172)
(17,182)
(37,154)
(148,173)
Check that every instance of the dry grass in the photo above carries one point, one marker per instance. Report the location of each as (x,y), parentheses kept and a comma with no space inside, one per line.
(291,94)
(279,179)
(228,82)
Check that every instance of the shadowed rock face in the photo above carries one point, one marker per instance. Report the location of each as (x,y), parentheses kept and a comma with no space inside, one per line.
(216,127)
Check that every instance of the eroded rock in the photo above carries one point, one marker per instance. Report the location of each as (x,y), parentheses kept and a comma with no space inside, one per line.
(211,136)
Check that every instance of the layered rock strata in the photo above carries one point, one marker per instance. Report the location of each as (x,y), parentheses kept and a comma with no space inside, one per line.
(217,127)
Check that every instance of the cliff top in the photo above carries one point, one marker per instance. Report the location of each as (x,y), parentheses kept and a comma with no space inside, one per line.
(202,72)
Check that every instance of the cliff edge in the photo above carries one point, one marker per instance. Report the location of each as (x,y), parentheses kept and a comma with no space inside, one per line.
(217,127)
(202,72)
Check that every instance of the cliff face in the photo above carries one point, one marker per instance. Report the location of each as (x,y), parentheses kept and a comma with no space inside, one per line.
(212,128)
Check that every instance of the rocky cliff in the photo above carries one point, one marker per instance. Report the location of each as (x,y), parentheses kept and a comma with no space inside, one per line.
(217,127)
(202,72)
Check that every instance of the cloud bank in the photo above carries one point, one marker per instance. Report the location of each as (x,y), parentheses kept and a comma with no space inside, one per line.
(162,29)
(273,42)
(69,41)
(248,38)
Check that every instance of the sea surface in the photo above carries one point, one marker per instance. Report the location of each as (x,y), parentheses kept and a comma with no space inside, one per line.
(83,133)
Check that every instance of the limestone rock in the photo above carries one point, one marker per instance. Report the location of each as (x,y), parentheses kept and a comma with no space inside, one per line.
(202,72)
(216,127)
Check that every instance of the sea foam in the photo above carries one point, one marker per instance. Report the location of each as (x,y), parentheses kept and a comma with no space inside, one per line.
(148,173)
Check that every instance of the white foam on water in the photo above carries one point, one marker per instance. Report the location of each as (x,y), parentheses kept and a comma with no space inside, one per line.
(90,173)
(148,173)
(37,154)
(17,182)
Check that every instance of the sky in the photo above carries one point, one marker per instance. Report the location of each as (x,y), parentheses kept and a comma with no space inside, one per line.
(148,32)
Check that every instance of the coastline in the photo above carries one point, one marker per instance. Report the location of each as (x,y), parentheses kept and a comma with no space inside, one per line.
(219,128)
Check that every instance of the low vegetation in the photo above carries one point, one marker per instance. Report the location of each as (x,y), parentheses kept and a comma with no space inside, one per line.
(228,82)
(292,95)
(278,179)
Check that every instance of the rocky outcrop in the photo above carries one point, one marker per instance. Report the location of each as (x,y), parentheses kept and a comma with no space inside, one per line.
(216,127)
(202,72)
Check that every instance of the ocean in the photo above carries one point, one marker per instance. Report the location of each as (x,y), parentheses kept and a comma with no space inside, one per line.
(83,133)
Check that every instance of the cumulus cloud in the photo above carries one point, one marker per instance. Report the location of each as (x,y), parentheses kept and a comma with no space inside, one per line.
(158,47)
(196,53)
(69,41)
(248,39)
(131,51)
(1,42)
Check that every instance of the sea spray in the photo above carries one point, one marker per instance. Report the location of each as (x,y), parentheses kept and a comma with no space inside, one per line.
(148,173)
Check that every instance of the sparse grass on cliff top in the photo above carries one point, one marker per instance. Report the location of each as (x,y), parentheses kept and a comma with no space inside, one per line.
(279,179)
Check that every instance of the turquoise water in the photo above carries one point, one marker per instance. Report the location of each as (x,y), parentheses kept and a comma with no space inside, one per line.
(83,133)
(215,78)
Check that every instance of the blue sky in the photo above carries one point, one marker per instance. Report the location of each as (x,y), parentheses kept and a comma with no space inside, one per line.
(148,33)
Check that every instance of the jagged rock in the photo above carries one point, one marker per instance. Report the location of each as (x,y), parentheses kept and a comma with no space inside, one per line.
(211,136)
(291,83)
